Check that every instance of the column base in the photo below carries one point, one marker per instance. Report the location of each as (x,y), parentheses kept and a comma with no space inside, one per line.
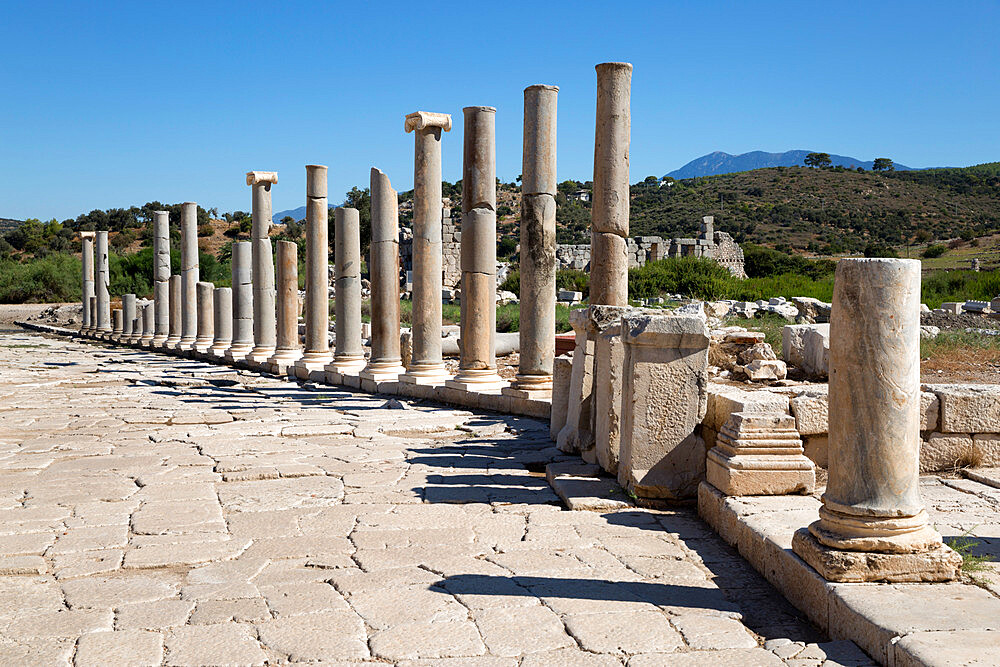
(532,387)
(382,371)
(259,354)
(202,346)
(219,349)
(933,565)
(480,381)
(170,343)
(146,342)
(342,367)
(759,475)
(282,360)
(311,366)
(426,374)
(158,341)
(237,354)
(185,345)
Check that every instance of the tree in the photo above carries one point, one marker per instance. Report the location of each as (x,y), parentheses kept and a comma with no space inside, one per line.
(818,160)
(883,164)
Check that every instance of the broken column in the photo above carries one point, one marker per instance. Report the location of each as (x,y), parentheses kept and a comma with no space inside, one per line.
(206,317)
(93,316)
(385,363)
(604,328)
(664,398)
(426,364)
(477,366)
(101,285)
(872,524)
(174,330)
(562,371)
(128,318)
(578,403)
(316,354)
(610,212)
(189,274)
(117,327)
(349,356)
(242,303)
(538,246)
(161,276)
(223,316)
(87,260)
(148,324)
(263,267)
(287,350)
(759,455)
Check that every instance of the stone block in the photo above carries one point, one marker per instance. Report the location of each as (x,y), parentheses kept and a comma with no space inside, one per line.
(811,412)
(816,448)
(723,400)
(562,369)
(609,359)
(968,408)
(986,448)
(952,307)
(759,455)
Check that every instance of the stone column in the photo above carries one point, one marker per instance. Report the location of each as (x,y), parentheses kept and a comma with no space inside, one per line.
(872,524)
(93,316)
(148,324)
(349,356)
(538,246)
(610,209)
(87,260)
(101,287)
(605,329)
(161,276)
(223,316)
(578,403)
(174,331)
(385,363)
(477,366)
(287,350)
(242,303)
(264,333)
(664,399)
(426,365)
(206,318)
(128,318)
(117,327)
(316,354)
(562,371)
(189,275)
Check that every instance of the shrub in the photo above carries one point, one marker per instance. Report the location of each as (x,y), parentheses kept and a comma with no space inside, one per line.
(206,230)
(506,247)
(935,250)
(692,276)
(51,279)
(573,280)
(512,283)
(880,250)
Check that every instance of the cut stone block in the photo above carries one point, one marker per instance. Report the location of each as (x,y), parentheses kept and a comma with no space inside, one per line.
(969,408)
(759,455)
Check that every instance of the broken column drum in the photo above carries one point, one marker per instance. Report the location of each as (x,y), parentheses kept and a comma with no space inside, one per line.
(223,315)
(263,266)
(161,276)
(242,303)
(538,246)
(578,402)
(287,349)
(872,524)
(93,316)
(189,274)
(604,329)
(426,364)
(316,354)
(385,363)
(148,324)
(206,317)
(610,207)
(176,288)
(87,261)
(101,285)
(349,357)
(128,317)
(477,366)
(116,324)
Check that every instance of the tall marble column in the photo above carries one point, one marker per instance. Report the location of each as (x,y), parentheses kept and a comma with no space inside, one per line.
(477,366)
(161,276)
(174,329)
(316,354)
(610,209)
(189,275)
(128,317)
(263,267)
(349,355)
(242,303)
(385,363)
(206,317)
(426,364)
(148,324)
(872,524)
(288,350)
(223,315)
(538,246)
(101,287)
(87,260)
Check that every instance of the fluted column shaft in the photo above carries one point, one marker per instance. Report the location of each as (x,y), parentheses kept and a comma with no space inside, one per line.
(316,354)
(349,357)
(206,317)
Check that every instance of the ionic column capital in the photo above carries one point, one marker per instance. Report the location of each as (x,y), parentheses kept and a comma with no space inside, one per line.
(420,120)
(258,177)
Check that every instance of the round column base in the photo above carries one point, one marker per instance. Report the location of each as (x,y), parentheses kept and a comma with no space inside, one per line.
(426,373)
(537,387)
(485,380)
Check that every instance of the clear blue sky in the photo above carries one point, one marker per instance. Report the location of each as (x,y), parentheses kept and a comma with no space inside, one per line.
(113,104)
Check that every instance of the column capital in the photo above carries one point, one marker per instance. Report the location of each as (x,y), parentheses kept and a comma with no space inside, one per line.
(420,120)
(258,177)
(88,235)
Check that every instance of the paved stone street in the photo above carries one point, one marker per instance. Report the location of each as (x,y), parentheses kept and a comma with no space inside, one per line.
(162,511)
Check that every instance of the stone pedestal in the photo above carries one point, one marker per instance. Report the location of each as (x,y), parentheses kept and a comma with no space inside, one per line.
(477,366)
(664,399)
(562,371)
(610,212)
(578,403)
(537,302)
(872,523)
(349,356)
(101,285)
(87,261)
(161,277)
(759,455)
(426,364)
(223,316)
(242,303)
(206,318)
(385,363)
(189,275)
(128,318)
(174,328)
(316,354)
(288,350)
(148,324)
(264,333)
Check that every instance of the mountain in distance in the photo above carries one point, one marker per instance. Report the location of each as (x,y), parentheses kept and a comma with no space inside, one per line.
(297,213)
(718,162)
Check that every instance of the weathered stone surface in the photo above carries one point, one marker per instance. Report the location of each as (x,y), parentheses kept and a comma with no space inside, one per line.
(561,377)
(759,455)
(132,647)
(328,635)
(220,644)
(579,400)
(385,362)
(946,451)
(969,408)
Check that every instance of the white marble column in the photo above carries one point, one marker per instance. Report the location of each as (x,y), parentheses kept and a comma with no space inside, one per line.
(87,261)
(223,315)
(426,364)
(206,318)
(174,329)
(349,354)
(264,333)
(128,318)
(287,350)
(101,286)
(93,316)
(385,363)
(242,303)
(161,276)
(316,354)
(189,275)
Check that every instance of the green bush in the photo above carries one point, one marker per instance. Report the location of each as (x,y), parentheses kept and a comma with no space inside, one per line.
(573,280)
(512,283)
(935,250)
(760,261)
(50,279)
(690,276)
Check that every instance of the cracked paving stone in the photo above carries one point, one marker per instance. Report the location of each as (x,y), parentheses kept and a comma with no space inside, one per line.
(221,644)
(127,647)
